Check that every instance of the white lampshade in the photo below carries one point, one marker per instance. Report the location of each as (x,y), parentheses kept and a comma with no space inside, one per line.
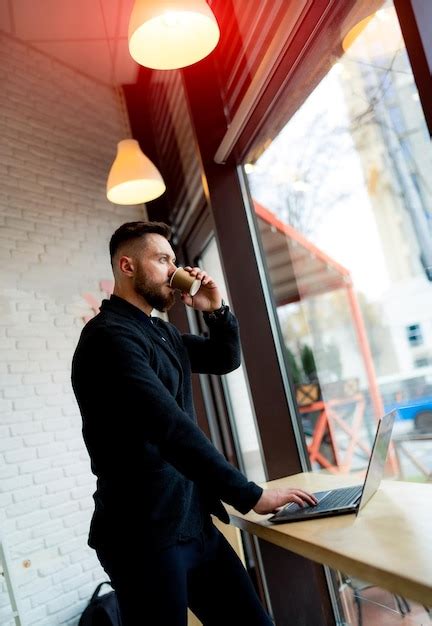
(169,34)
(133,178)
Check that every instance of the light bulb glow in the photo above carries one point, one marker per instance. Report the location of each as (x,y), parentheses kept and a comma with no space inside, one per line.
(133,178)
(172,19)
(136,191)
(168,35)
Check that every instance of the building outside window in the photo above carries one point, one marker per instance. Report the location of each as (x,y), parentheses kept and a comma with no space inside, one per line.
(414,335)
(423,361)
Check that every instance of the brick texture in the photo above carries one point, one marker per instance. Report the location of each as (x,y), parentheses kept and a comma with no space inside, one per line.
(58,135)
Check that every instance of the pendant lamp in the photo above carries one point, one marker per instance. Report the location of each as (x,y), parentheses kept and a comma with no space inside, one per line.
(133,178)
(375,35)
(169,34)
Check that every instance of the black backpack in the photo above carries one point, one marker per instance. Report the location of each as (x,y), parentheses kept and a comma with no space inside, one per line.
(101,610)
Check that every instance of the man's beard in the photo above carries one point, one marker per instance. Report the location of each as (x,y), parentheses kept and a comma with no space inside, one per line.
(153,294)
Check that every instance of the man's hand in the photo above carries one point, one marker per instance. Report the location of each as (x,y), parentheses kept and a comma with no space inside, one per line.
(273,500)
(208,298)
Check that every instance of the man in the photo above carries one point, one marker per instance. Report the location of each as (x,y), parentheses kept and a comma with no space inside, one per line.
(158,476)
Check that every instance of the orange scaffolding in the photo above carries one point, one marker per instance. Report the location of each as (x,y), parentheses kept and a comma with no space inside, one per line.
(298,269)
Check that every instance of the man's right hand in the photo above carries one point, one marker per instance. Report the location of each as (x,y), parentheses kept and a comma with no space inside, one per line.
(272,500)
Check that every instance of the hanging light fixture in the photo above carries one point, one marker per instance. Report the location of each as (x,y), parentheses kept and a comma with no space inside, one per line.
(375,35)
(133,178)
(169,34)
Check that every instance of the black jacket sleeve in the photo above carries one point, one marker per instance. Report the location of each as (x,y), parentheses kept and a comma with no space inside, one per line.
(220,352)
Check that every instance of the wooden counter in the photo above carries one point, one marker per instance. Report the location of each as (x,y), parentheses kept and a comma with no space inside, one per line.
(388,544)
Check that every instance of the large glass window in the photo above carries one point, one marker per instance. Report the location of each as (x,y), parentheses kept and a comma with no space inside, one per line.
(343,199)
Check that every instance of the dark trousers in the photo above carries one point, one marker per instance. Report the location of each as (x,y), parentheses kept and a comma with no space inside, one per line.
(204,574)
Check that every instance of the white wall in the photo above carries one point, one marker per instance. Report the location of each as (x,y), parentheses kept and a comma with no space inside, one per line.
(406,303)
(58,134)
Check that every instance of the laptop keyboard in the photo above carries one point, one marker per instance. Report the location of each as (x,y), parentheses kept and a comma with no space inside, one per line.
(341,497)
(338,498)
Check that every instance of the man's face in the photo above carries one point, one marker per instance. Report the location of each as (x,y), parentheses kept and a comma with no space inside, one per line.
(154,266)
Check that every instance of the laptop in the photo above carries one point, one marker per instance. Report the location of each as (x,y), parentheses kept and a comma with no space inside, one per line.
(347,499)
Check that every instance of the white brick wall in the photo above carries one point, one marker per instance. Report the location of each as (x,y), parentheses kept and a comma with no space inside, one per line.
(58,134)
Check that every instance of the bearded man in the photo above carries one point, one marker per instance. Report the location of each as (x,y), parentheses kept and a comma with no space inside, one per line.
(159,478)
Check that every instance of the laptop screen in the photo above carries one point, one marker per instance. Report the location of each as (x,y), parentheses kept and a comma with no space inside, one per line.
(378,457)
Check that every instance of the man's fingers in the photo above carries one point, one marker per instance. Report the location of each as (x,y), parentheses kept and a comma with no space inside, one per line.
(296,499)
(207,280)
(308,497)
(201,275)
(302,497)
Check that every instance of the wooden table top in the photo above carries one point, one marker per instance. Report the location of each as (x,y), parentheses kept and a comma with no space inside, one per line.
(388,544)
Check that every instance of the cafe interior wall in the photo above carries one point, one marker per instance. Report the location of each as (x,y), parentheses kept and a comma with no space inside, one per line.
(58,133)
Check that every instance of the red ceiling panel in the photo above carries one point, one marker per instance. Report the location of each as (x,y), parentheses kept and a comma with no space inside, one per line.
(5,17)
(93,56)
(51,19)
(117,13)
(125,70)
(88,35)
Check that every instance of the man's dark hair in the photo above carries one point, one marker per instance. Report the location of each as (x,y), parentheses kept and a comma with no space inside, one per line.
(136,230)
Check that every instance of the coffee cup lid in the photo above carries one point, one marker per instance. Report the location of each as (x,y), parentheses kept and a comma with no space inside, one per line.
(194,287)
(172,275)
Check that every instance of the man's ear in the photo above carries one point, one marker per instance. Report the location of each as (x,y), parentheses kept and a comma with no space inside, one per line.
(126,265)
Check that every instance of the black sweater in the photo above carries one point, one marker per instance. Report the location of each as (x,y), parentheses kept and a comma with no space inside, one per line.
(158,475)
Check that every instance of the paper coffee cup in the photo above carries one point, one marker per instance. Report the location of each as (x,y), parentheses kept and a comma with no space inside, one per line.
(182,280)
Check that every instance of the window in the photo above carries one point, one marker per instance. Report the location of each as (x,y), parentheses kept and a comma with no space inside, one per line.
(423,361)
(344,231)
(342,197)
(414,335)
